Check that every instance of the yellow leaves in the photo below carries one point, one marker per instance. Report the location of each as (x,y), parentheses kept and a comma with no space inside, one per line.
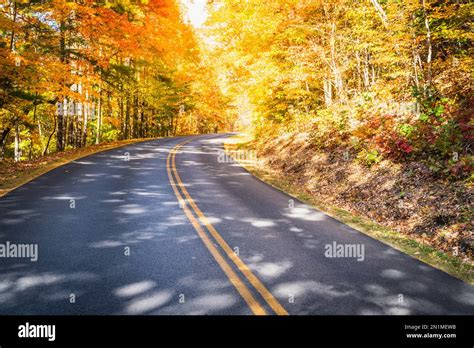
(112,121)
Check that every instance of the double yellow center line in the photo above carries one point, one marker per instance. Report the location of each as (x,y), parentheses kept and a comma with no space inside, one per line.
(191,210)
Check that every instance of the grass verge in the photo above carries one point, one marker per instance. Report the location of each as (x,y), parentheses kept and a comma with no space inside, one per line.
(16,174)
(448,263)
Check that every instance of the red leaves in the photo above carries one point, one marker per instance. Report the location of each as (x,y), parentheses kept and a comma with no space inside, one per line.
(404,146)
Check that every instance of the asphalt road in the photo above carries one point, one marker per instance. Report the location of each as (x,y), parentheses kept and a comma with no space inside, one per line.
(127,232)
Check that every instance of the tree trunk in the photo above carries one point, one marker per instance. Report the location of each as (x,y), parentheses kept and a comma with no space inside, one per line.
(40,131)
(428,44)
(60,141)
(366,70)
(99,116)
(4,142)
(327,92)
(135,128)
(85,119)
(17,142)
(380,12)
(127,117)
(45,151)
(12,36)
(122,123)
(142,120)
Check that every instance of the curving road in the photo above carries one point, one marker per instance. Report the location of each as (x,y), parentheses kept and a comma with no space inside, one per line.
(163,228)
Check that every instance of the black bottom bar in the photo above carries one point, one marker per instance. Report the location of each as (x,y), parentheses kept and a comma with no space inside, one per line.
(413,331)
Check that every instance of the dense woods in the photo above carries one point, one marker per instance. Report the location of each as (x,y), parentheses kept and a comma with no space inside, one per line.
(378,78)
(74,73)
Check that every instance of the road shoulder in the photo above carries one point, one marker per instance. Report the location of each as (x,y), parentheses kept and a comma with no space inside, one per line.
(14,175)
(239,148)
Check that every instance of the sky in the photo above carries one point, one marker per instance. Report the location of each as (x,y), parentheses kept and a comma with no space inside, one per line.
(196,12)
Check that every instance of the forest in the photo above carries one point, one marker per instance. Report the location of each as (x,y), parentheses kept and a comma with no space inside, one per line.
(76,73)
(382,78)
(386,79)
